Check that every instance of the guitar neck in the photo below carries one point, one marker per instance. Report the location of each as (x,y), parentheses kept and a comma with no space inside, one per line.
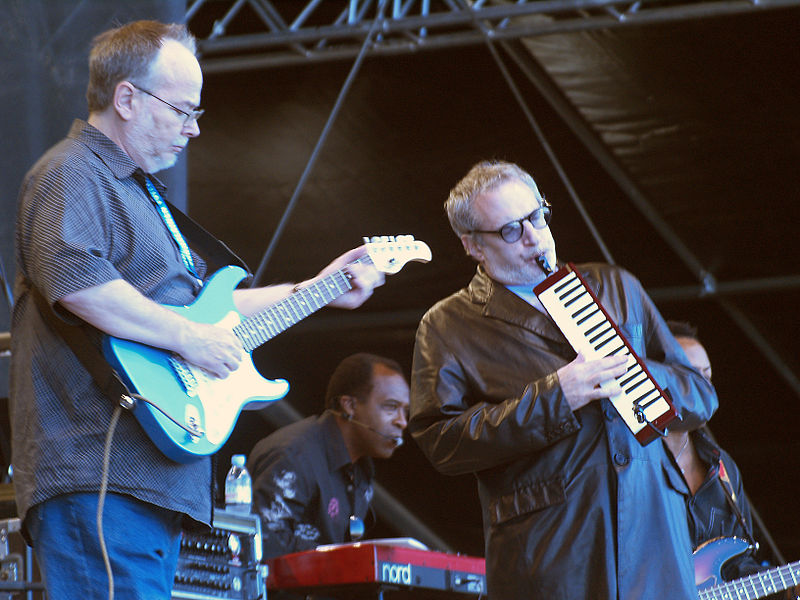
(277,318)
(758,585)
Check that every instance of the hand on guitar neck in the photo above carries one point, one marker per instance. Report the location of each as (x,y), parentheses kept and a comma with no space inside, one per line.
(363,276)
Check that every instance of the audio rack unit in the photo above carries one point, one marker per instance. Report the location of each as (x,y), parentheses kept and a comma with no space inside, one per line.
(224,563)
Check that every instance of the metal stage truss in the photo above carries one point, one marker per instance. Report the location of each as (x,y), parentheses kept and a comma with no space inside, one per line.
(246,34)
(237,35)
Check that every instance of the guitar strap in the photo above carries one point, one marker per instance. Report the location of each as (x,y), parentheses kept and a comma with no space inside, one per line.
(106,378)
(216,253)
(730,494)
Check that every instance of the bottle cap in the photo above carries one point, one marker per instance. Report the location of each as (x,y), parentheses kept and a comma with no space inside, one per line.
(238,460)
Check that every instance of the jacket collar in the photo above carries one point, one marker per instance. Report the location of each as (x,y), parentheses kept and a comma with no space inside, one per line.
(500,303)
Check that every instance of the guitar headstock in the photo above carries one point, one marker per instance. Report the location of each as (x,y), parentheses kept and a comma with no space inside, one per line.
(390,253)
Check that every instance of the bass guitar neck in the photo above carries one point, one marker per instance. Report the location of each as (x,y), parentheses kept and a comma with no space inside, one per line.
(711,557)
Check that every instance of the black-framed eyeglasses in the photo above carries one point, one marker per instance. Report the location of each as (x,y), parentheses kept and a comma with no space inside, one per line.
(188,116)
(511,232)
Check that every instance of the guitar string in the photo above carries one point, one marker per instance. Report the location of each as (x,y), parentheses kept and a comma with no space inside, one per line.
(253,327)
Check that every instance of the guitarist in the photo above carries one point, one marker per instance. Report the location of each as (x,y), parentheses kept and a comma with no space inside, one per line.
(98,246)
(717,505)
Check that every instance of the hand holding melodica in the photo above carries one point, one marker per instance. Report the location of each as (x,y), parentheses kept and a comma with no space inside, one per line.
(581,380)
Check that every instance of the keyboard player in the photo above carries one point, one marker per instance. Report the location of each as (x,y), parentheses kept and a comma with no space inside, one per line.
(313,479)
(574,506)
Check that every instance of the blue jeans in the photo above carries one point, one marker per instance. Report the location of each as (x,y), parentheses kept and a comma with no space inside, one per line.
(142,541)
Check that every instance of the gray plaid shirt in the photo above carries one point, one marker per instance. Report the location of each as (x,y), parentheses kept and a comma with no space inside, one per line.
(84,220)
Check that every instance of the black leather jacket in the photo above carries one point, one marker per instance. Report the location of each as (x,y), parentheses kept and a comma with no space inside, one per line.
(573,506)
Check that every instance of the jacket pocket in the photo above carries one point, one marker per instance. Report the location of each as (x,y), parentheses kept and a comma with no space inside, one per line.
(527,499)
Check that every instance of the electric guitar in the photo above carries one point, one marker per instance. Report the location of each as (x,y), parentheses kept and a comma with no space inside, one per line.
(709,559)
(189,413)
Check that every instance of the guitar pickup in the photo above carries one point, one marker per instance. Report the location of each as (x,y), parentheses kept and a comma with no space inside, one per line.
(185,374)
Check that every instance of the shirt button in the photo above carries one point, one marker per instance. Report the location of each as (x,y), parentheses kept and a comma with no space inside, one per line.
(620,459)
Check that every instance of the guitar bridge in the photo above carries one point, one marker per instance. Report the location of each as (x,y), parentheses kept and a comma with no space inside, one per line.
(192,423)
(191,416)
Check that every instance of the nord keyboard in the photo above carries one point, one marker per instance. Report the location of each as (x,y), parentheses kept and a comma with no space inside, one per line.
(373,569)
(590,329)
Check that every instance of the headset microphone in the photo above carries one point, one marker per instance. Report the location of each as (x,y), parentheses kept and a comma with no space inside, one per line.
(396,439)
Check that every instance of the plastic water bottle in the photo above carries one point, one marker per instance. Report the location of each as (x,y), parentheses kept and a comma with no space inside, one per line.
(238,486)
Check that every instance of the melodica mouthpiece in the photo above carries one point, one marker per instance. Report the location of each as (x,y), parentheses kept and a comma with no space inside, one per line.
(545,266)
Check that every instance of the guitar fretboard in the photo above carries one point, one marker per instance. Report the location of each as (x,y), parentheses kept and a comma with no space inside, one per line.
(758,585)
(275,319)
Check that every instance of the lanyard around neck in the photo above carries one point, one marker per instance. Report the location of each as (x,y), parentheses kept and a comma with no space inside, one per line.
(166,216)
